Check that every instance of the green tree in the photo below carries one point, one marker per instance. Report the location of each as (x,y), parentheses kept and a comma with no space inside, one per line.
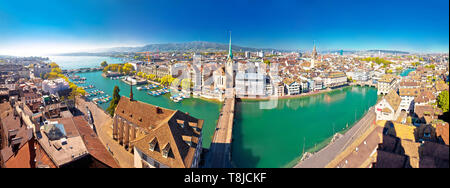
(104,64)
(267,62)
(443,100)
(115,100)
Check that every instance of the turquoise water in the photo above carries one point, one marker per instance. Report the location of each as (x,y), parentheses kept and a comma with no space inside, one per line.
(272,138)
(406,72)
(208,111)
(261,137)
(76,62)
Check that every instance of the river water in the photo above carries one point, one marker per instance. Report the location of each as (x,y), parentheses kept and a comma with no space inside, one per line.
(267,138)
(198,108)
(264,135)
(76,62)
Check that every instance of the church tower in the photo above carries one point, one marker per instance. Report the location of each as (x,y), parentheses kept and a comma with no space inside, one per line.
(314,55)
(229,68)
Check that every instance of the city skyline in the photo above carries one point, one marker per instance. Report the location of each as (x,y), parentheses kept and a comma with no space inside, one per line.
(34,28)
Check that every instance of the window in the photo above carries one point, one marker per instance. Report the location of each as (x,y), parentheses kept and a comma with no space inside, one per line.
(145,165)
(156,164)
(153,144)
(144,157)
(166,150)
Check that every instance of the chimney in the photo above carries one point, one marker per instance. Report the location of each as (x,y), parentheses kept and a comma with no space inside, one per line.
(159,110)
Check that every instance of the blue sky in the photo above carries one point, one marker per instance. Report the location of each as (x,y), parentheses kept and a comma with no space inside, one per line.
(46,25)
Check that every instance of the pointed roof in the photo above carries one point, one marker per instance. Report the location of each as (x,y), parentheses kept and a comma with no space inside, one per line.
(314,52)
(230,52)
(393,99)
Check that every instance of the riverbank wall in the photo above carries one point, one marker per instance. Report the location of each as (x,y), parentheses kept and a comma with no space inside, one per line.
(334,147)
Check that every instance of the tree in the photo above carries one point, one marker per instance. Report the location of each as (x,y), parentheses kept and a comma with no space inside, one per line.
(57,70)
(104,64)
(80,91)
(443,101)
(267,62)
(54,65)
(115,100)
(176,82)
(415,64)
(186,83)
(409,120)
(349,79)
(127,68)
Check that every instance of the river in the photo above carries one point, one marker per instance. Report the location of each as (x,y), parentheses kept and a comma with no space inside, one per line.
(406,72)
(262,137)
(76,62)
(198,108)
(271,138)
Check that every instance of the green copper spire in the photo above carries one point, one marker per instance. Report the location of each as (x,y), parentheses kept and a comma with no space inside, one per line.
(230,53)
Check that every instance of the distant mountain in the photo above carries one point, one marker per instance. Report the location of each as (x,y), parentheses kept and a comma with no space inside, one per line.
(364,51)
(388,51)
(198,46)
(195,46)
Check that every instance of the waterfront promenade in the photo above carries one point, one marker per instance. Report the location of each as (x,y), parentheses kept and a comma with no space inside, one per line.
(321,158)
(220,150)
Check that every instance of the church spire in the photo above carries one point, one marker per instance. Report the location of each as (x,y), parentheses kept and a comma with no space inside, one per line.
(230,53)
(314,52)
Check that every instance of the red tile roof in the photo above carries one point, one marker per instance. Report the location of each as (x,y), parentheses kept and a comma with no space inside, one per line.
(93,144)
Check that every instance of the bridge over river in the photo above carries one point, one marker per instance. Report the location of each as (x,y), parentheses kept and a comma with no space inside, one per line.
(80,70)
(219,155)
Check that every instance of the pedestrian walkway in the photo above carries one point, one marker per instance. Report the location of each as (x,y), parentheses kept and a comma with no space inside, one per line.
(220,151)
(327,154)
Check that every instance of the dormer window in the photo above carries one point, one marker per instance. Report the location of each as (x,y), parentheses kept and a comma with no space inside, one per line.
(166,150)
(153,144)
